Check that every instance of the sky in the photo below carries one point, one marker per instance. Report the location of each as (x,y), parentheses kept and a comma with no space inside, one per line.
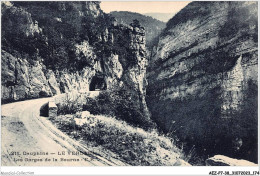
(143,6)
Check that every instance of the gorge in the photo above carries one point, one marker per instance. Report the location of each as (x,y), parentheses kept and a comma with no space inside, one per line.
(196,82)
(203,77)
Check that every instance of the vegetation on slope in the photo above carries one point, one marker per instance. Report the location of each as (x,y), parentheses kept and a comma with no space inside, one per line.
(130,144)
(152,26)
(103,127)
(117,104)
(60,30)
(161,16)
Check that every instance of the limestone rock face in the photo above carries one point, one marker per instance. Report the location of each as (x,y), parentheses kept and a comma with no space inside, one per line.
(203,76)
(54,86)
(20,80)
(38,81)
(114,71)
(57,47)
(76,81)
(126,64)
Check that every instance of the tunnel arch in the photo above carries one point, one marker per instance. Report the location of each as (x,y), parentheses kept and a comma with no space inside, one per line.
(97,83)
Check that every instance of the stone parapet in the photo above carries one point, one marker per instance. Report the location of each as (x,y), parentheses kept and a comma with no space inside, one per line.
(52,109)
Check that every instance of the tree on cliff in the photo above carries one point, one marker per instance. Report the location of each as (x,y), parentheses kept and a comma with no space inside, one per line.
(135,23)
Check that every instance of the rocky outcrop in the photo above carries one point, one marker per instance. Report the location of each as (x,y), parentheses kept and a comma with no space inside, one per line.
(153,27)
(50,76)
(220,160)
(21,80)
(114,71)
(203,78)
(181,162)
(50,48)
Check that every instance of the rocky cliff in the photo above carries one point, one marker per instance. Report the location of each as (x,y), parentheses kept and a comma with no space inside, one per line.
(50,48)
(203,78)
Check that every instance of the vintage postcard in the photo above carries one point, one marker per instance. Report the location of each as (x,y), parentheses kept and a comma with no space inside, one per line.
(130,83)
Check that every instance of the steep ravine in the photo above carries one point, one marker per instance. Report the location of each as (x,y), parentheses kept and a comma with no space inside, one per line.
(202,79)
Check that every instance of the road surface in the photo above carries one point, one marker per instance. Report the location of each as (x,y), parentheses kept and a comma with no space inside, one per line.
(30,140)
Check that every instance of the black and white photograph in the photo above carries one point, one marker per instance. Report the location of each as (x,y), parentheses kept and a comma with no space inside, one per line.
(129,83)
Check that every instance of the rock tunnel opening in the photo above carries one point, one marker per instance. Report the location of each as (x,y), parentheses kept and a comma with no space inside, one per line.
(97,83)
